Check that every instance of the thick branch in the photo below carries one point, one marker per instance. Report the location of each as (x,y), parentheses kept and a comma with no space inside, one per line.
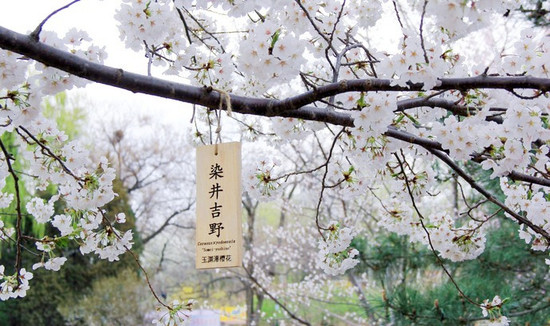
(50,56)
(292,107)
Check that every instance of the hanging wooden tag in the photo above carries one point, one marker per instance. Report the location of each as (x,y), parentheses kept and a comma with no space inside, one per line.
(218,234)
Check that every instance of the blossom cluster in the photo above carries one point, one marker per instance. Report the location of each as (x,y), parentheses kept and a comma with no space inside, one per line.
(335,254)
(13,286)
(49,158)
(176,314)
(259,180)
(493,311)
(535,207)
(440,231)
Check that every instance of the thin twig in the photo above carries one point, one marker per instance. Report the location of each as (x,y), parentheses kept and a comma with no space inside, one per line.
(18,224)
(205,30)
(136,259)
(323,186)
(521,219)
(49,152)
(334,69)
(35,35)
(149,56)
(515,314)
(184,25)
(523,97)
(290,313)
(397,14)
(422,218)
(311,20)
(422,32)
(166,223)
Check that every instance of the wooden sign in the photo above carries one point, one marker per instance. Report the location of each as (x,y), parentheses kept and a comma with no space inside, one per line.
(219,236)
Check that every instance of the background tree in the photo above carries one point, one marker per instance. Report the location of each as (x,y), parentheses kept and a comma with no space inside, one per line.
(52,291)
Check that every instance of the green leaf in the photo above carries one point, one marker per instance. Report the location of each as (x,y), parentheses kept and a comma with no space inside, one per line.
(361,101)
(275,37)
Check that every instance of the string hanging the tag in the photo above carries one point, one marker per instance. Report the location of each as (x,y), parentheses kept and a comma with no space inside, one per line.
(224,97)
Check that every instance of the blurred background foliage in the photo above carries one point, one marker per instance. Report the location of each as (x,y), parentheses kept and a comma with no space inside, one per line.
(77,281)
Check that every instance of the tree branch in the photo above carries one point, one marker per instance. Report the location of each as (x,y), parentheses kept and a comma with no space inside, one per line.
(50,56)
(520,219)
(292,107)
(428,236)
(48,152)
(36,33)
(19,221)
(290,314)
(165,224)
(457,109)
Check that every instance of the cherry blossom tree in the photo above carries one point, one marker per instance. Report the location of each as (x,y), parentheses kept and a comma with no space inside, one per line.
(142,152)
(388,89)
